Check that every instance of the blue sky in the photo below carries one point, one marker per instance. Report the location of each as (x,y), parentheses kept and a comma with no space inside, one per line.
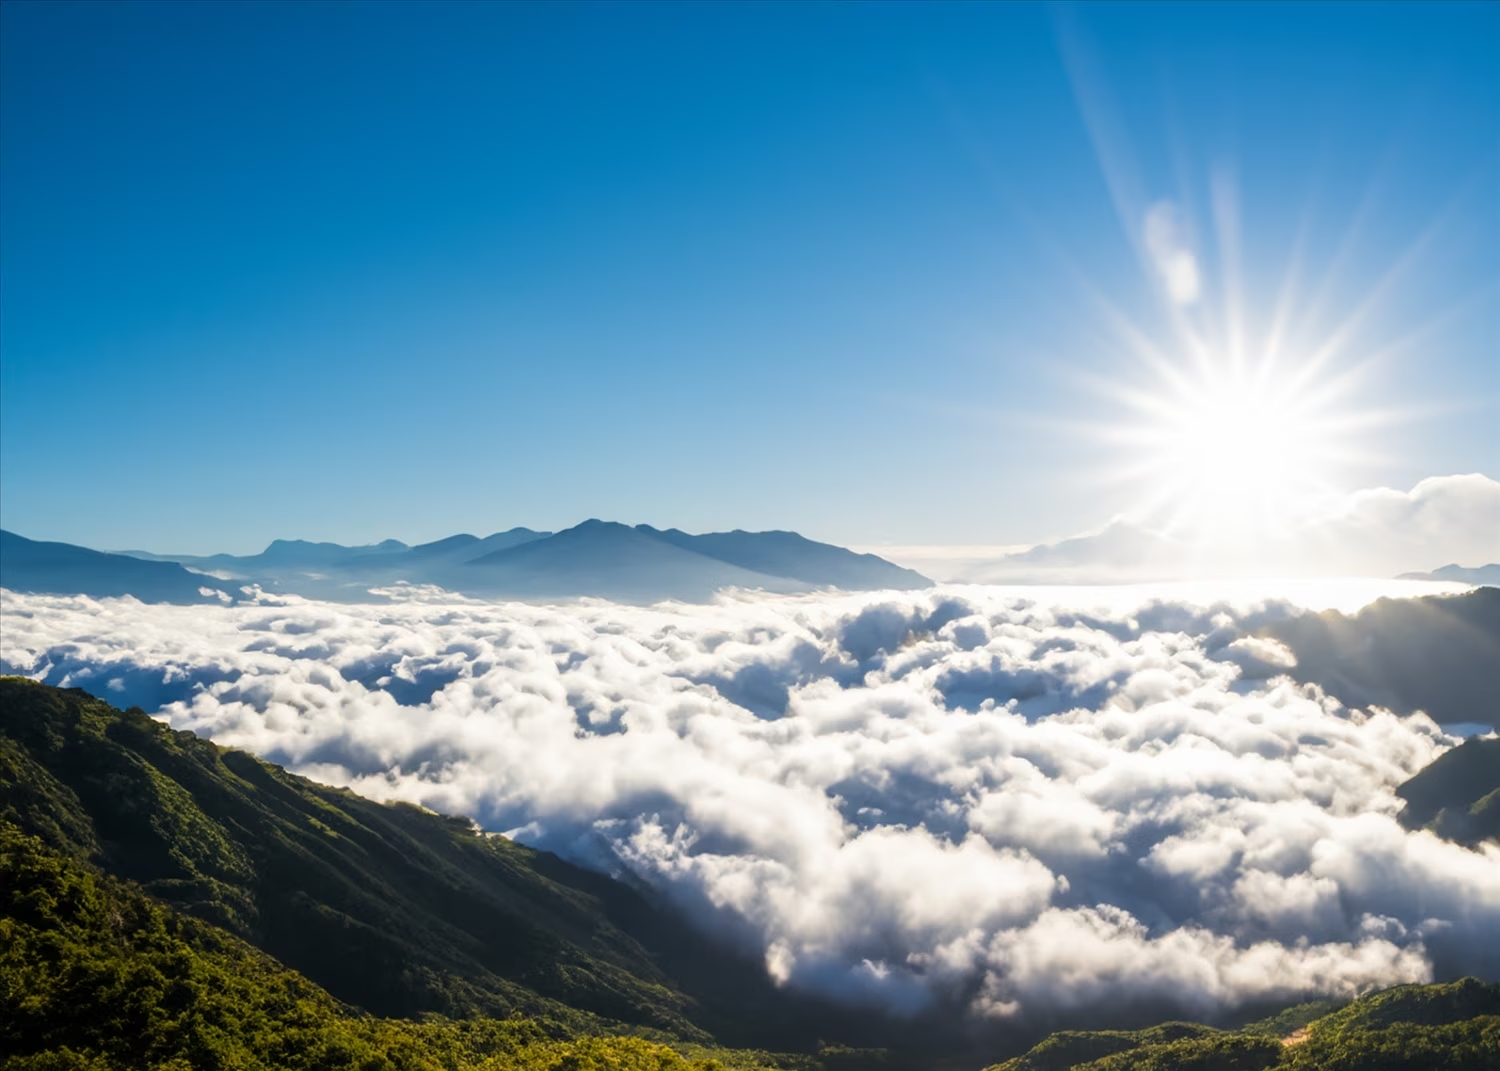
(357,271)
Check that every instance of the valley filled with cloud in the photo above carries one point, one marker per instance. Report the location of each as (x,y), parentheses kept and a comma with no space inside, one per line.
(971,798)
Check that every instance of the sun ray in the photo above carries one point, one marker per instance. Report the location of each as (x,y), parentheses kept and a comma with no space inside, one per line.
(1236,425)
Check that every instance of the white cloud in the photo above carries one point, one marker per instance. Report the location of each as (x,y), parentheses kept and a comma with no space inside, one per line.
(1166,242)
(1378,532)
(951,795)
(1443,519)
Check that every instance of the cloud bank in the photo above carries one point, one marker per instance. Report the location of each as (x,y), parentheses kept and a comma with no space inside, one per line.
(1378,532)
(949,798)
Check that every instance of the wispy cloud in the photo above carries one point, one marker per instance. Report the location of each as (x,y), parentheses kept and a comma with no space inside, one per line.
(1166,240)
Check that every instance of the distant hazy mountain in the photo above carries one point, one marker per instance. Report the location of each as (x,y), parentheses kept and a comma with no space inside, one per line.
(282,554)
(788,554)
(1484,575)
(612,561)
(63,569)
(453,550)
(334,571)
(597,558)
(1440,653)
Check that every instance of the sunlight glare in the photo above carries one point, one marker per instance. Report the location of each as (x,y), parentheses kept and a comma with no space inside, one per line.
(1234,456)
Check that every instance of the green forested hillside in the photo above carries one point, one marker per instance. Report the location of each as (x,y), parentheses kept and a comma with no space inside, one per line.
(389,907)
(96,975)
(1453,1027)
(1458,795)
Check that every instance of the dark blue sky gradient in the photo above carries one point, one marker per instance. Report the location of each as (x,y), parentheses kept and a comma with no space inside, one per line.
(367,270)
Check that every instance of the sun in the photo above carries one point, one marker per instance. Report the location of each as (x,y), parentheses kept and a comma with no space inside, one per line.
(1240,415)
(1232,453)
(1238,423)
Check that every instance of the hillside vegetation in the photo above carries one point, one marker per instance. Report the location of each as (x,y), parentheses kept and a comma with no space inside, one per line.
(96,975)
(1458,795)
(1453,1027)
(389,907)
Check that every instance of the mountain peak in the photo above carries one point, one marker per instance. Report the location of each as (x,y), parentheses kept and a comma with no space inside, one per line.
(596,558)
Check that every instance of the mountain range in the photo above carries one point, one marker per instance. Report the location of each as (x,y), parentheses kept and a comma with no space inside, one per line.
(1482,575)
(65,569)
(597,558)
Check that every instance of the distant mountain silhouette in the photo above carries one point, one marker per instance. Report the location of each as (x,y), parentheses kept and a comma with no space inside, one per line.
(453,550)
(1439,653)
(612,561)
(63,569)
(597,558)
(334,571)
(790,555)
(1484,575)
(282,554)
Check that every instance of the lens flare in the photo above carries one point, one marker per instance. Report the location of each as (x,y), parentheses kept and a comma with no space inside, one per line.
(1234,456)
(1240,403)
(1237,431)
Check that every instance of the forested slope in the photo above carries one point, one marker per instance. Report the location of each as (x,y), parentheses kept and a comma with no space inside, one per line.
(389,907)
(1458,795)
(1453,1027)
(96,975)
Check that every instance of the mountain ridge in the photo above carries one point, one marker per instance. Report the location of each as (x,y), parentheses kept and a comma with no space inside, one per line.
(1482,575)
(599,559)
(788,554)
(1438,653)
(390,907)
(67,569)
(1457,796)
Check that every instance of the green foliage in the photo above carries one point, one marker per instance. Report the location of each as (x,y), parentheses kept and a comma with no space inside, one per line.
(1074,1048)
(95,975)
(849,1058)
(1216,1052)
(31,796)
(1428,1005)
(1077,1048)
(390,907)
(1453,1027)
(1070,1048)
(749,1059)
(1290,1020)
(1457,796)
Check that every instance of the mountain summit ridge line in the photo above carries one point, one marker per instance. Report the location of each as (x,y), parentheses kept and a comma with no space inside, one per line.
(601,559)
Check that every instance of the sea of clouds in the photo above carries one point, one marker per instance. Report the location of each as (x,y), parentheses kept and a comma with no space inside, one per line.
(1019,803)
